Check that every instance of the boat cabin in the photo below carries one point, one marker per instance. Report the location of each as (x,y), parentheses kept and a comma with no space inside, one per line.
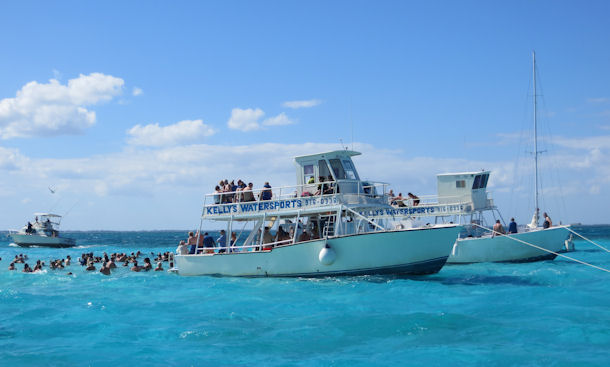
(315,169)
(464,187)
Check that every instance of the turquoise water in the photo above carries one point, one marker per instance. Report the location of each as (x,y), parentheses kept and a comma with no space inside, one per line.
(548,313)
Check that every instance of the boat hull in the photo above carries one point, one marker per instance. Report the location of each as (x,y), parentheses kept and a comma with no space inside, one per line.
(415,251)
(505,249)
(29,240)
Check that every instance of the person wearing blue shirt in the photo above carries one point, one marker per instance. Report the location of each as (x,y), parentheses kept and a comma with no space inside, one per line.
(266,194)
(208,243)
(222,241)
(512,226)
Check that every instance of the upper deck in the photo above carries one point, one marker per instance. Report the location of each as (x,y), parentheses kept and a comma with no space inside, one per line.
(286,201)
(325,182)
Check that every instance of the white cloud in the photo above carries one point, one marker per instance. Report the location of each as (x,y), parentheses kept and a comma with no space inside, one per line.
(594,142)
(302,104)
(245,120)
(137,91)
(11,159)
(248,119)
(153,135)
(601,100)
(55,109)
(278,120)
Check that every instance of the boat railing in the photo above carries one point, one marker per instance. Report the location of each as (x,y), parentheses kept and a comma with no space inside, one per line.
(426,200)
(351,192)
(256,247)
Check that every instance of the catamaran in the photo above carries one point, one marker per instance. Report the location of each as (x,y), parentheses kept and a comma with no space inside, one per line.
(319,229)
(463,197)
(43,232)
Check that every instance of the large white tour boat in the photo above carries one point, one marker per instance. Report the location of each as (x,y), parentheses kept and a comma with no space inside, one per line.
(43,232)
(315,228)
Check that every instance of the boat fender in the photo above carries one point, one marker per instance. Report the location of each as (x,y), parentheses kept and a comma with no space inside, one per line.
(455,249)
(327,255)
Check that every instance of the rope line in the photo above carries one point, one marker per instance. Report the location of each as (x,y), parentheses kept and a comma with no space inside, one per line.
(543,249)
(588,240)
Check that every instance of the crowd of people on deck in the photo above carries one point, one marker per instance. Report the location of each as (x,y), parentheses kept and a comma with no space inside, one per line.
(197,243)
(229,192)
(106,262)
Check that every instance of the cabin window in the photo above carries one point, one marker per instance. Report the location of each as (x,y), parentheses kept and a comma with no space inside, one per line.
(484,181)
(350,172)
(460,184)
(337,169)
(477,182)
(323,170)
(308,173)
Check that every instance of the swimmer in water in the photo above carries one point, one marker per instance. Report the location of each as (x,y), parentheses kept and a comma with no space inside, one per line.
(147,265)
(159,266)
(105,269)
(11,266)
(135,267)
(90,266)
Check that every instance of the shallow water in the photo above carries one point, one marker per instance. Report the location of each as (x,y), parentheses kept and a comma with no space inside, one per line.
(547,313)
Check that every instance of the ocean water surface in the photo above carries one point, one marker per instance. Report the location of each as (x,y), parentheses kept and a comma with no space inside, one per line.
(551,313)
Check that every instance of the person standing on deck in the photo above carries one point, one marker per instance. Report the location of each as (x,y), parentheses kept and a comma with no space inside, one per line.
(222,241)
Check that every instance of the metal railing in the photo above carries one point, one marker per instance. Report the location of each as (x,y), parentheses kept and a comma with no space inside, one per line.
(359,188)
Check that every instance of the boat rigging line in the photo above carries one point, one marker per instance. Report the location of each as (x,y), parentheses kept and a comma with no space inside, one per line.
(542,248)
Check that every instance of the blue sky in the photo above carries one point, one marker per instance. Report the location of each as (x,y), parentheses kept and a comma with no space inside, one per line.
(152,102)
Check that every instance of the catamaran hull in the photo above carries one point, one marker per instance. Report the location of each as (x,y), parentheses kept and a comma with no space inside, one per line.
(505,249)
(28,240)
(417,251)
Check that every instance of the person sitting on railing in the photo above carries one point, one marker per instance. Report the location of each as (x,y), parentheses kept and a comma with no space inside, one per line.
(233,191)
(238,190)
(414,198)
(191,242)
(498,229)
(222,241)
(266,194)
(247,194)
(227,197)
(217,195)
(512,226)
(548,223)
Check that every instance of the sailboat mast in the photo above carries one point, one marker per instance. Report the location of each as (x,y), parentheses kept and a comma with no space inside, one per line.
(535,136)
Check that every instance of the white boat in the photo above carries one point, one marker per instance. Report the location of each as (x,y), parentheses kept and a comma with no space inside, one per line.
(341,240)
(43,232)
(463,197)
(530,243)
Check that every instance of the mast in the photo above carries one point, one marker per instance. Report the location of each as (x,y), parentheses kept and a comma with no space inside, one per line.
(535,138)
